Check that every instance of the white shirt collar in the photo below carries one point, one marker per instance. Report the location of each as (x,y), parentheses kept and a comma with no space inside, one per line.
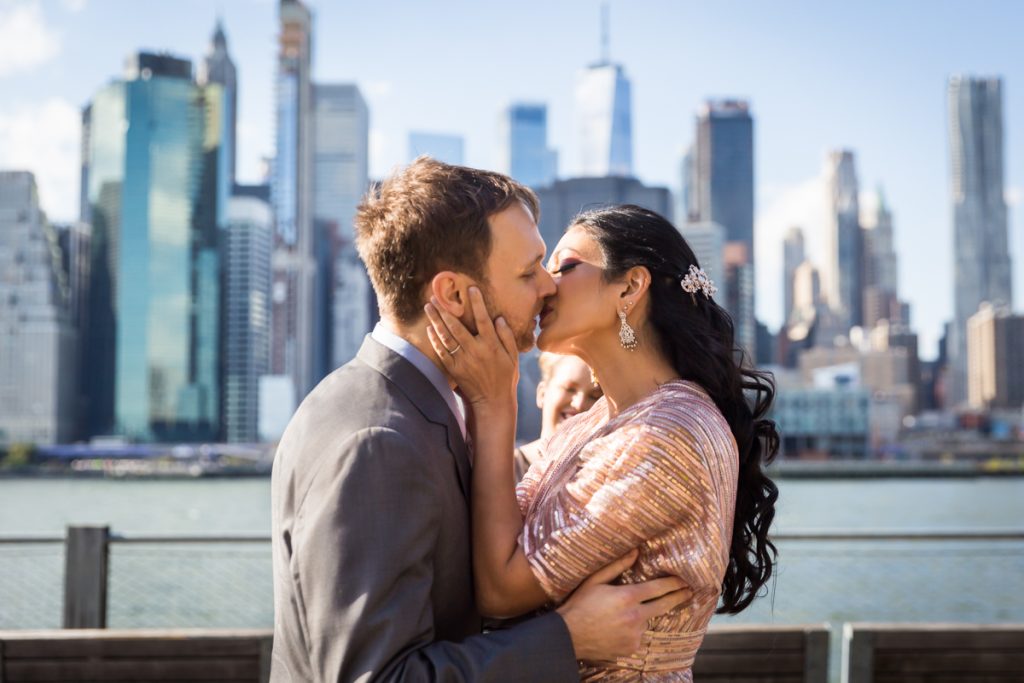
(409,352)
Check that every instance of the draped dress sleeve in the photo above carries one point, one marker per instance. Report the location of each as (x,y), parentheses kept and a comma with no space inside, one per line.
(662,481)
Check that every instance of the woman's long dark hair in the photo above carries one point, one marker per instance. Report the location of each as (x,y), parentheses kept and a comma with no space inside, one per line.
(699,341)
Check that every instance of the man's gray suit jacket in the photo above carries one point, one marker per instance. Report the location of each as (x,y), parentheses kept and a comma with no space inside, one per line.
(371,542)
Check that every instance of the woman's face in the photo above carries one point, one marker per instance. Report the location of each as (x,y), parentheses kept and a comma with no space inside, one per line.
(585,306)
(568,391)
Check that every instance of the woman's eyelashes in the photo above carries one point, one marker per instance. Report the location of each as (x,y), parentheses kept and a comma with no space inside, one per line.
(565,268)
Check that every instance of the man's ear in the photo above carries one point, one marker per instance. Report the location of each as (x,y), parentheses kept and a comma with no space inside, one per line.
(450,289)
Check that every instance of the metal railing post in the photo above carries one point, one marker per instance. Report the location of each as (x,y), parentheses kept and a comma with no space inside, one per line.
(85,576)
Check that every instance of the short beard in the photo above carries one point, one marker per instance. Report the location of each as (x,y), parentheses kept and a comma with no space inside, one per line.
(525,339)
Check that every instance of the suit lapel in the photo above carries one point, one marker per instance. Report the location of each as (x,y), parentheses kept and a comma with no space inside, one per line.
(423,394)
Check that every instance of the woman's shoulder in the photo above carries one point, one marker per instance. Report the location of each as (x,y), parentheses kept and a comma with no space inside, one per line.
(682,406)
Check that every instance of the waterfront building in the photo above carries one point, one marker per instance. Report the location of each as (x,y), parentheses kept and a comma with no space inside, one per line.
(38,356)
(248,243)
(152,194)
(823,422)
(995,358)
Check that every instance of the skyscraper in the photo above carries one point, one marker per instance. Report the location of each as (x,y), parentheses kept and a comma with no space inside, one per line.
(686,205)
(247,247)
(738,296)
(341,162)
(217,67)
(724,169)
(523,145)
(563,199)
(995,358)
(880,295)
(723,193)
(708,243)
(294,310)
(844,257)
(604,120)
(151,191)
(38,353)
(980,242)
(441,146)
(75,240)
(793,254)
(340,154)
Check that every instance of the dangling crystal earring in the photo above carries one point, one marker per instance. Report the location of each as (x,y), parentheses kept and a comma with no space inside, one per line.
(627,337)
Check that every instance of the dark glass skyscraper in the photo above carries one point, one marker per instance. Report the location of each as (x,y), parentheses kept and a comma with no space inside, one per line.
(723,193)
(524,145)
(724,169)
(151,191)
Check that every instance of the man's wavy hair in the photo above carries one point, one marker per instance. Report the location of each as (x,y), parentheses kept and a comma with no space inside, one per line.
(425,218)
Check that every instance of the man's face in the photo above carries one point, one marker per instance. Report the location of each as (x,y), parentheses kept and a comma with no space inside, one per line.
(517,283)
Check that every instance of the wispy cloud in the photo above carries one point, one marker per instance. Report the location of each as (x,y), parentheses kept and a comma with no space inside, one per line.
(25,39)
(379,90)
(74,6)
(44,138)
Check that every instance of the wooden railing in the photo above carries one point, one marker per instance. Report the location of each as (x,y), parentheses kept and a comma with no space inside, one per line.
(136,655)
(931,653)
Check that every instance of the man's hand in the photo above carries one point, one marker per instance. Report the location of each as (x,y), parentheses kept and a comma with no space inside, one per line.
(606,621)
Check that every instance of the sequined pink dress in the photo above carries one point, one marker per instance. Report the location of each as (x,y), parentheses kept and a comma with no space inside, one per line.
(660,476)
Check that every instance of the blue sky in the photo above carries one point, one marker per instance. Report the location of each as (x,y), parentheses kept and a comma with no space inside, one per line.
(869,76)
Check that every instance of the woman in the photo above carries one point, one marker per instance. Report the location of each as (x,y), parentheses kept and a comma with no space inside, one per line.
(669,462)
(566,388)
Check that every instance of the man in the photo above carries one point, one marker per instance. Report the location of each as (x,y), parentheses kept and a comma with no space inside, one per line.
(370,492)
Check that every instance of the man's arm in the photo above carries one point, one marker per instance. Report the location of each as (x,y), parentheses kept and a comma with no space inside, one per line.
(363,558)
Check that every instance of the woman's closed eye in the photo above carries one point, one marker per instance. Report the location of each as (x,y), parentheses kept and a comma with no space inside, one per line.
(565,268)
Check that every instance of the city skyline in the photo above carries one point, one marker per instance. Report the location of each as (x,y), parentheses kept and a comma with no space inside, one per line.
(888,105)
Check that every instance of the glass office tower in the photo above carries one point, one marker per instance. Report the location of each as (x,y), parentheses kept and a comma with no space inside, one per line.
(151,191)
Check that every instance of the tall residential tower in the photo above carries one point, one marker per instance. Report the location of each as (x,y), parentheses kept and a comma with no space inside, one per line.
(294,265)
(980,243)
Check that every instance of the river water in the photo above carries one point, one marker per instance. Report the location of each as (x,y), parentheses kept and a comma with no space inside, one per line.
(161,585)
